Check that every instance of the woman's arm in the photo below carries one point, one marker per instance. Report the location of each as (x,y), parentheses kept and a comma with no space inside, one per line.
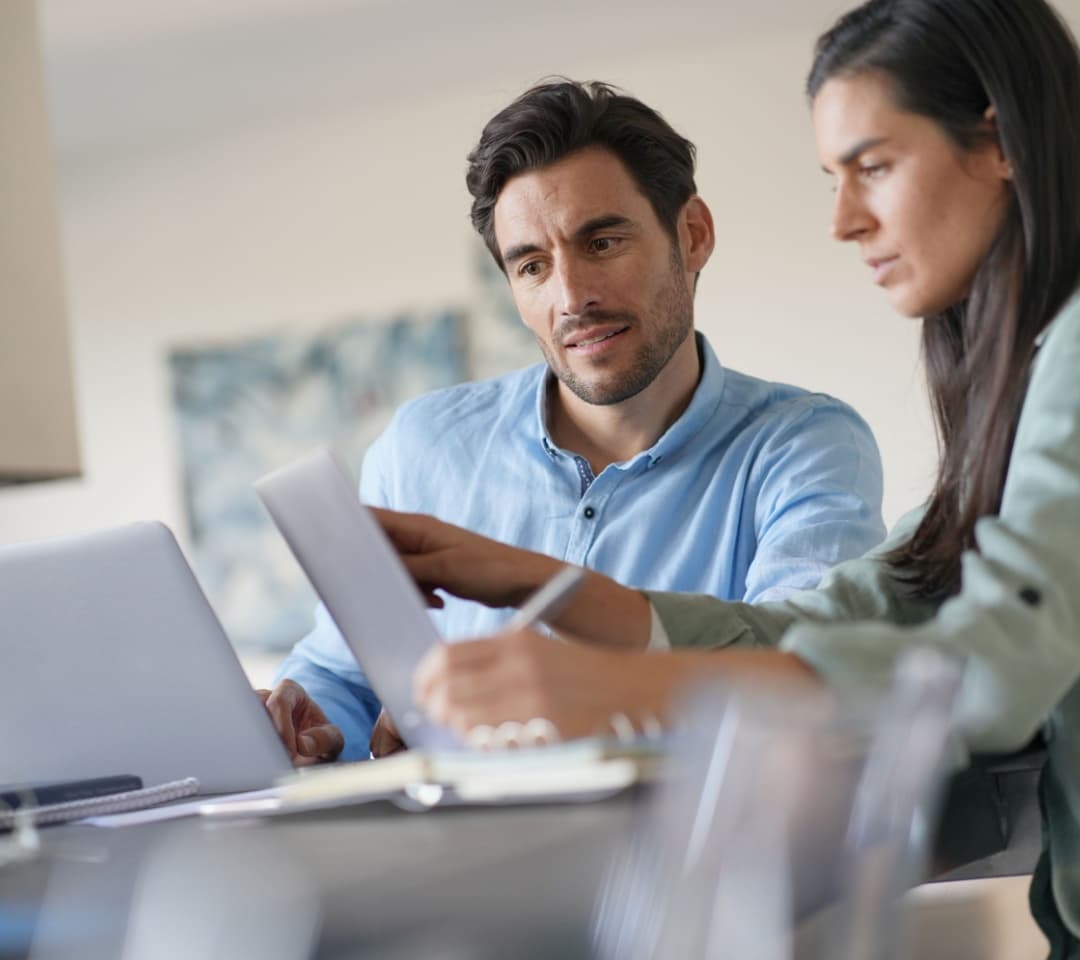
(526,675)
(1016,620)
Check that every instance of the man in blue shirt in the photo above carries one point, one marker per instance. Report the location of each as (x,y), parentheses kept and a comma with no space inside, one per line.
(630,450)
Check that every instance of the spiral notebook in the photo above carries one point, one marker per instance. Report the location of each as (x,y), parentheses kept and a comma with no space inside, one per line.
(110,803)
(573,770)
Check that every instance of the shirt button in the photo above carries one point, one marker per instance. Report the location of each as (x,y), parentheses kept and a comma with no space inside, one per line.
(1031,596)
(589,513)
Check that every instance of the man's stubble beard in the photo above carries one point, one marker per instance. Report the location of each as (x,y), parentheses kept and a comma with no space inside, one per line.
(671,318)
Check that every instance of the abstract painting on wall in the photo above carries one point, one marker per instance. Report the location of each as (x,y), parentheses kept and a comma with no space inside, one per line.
(245,408)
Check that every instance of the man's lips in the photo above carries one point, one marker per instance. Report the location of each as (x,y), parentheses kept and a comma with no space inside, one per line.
(582,339)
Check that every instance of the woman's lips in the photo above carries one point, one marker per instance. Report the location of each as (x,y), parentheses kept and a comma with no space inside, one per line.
(882,267)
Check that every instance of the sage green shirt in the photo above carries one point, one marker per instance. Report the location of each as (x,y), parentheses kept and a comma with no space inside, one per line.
(1016,620)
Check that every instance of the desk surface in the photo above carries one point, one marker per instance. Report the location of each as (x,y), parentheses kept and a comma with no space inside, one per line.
(372,881)
(358,881)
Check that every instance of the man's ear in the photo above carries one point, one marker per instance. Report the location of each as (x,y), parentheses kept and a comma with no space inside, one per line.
(1004,168)
(697,236)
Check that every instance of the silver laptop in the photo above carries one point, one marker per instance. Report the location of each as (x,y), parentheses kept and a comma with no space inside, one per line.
(112,662)
(357,573)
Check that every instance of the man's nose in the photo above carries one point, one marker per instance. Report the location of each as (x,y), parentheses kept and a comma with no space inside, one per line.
(577,287)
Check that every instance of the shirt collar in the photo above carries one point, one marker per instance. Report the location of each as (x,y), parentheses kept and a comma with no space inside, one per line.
(542,387)
(702,406)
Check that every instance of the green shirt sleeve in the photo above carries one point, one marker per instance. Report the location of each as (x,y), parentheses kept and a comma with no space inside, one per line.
(1016,620)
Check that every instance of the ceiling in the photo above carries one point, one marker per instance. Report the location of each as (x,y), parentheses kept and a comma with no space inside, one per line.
(128,73)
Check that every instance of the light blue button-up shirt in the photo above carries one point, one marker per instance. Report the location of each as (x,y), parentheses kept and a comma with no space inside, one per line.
(752,494)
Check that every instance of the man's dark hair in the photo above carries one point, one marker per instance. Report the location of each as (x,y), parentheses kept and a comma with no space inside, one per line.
(558,117)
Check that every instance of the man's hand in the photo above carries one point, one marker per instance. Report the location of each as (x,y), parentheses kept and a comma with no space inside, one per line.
(300,722)
(385,739)
(440,556)
(444,557)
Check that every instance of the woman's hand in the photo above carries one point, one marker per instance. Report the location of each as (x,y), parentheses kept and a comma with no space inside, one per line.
(444,557)
(526,675)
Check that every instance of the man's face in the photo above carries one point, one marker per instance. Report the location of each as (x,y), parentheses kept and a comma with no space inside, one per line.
(595,276)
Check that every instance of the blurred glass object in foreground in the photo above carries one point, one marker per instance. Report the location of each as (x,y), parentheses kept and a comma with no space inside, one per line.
(790,826)
(195,897)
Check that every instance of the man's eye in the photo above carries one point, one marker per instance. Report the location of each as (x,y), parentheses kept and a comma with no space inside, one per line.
(872,171)
(530,268)
(603,244)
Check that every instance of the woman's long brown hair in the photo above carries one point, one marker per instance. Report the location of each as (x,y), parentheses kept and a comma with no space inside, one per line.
(950,60)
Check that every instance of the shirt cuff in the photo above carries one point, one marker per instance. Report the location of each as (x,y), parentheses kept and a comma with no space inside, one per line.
(658,637)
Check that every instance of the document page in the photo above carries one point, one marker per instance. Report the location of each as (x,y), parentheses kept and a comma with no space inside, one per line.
(357,573)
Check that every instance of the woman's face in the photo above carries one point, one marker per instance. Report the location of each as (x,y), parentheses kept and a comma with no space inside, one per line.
(923,211)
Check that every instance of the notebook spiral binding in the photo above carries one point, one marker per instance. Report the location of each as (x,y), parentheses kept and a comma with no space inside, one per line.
(96,806)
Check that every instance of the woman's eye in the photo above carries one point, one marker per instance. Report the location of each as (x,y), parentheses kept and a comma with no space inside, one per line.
(872,171)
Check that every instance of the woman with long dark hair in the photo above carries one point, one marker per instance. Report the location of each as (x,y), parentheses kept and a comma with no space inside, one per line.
(951,129)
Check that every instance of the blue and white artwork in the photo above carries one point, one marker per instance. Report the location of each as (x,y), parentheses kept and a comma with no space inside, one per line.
(245,408)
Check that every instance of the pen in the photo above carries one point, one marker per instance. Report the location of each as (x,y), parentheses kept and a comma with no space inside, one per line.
(549,599)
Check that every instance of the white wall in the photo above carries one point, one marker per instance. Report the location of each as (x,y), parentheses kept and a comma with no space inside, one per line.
(295,217)
(340,192)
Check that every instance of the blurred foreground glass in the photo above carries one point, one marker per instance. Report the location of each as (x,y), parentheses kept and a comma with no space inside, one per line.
(38,439)
(243,898)
(790,825)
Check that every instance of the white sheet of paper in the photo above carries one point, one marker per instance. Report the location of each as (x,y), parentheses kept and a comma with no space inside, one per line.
(357,573)
(174,811)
